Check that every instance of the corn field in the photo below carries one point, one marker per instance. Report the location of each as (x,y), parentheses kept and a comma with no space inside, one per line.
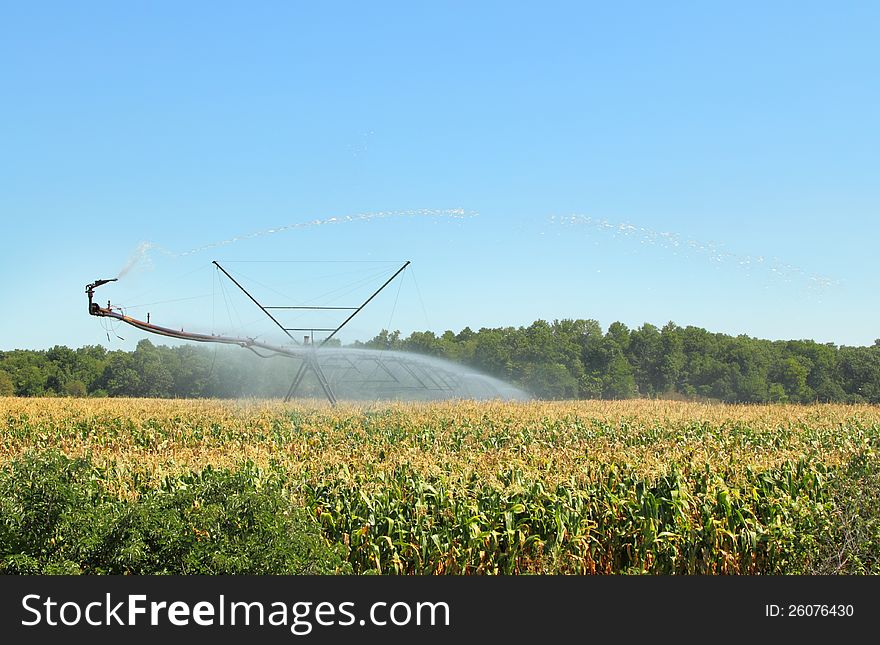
(505,488)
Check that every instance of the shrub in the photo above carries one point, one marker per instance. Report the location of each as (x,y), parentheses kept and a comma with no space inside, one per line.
(843,537)
(57,516)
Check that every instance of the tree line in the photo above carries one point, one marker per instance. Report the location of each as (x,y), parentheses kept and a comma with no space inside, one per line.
(563,359)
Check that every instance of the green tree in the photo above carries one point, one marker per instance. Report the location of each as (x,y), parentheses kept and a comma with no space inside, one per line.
(30,380)
(75,388)
(793,375)
(672,358)
(7,387)
(551,381)
(385,340)
(425,342)
(155,378)
(860,371)
(619,382)
(119,378)
(492,354)
(646,354)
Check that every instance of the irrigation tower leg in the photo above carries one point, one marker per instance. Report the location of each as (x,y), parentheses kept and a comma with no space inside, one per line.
(312,364)
(296,381)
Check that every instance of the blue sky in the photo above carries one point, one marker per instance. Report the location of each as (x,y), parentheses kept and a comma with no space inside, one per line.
(714,165)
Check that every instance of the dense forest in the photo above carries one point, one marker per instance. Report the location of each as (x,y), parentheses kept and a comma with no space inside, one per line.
(565,359)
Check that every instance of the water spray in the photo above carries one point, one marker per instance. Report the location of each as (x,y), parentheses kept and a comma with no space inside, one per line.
(714,252)
(141,253)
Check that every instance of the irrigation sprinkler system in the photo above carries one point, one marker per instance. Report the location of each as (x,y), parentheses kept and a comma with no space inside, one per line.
(349,373)
(306,352)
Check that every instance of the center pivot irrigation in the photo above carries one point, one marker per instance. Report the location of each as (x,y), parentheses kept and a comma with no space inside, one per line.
(306,352)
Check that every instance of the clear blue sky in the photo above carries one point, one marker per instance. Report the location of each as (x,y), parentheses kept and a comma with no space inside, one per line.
(720,161)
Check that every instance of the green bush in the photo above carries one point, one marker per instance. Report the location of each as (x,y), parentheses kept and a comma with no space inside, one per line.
(57,517)
(843,536)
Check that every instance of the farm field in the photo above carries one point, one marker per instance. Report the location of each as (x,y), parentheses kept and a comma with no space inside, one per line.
(654,487)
